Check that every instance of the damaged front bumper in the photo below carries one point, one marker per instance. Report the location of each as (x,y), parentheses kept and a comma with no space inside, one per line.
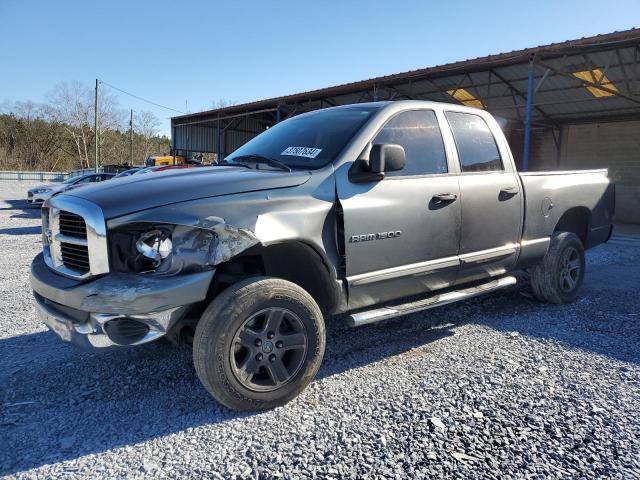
(114,310)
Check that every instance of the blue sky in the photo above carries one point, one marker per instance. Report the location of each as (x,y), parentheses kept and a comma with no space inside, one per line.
(193,53)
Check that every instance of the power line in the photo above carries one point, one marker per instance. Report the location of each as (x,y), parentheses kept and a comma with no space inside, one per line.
(140,98)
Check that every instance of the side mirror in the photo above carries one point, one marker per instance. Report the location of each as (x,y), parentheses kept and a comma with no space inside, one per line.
(386,157)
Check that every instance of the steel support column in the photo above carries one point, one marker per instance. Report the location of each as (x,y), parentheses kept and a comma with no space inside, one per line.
(220,154)
(174,132)
(527,116)
(278,114)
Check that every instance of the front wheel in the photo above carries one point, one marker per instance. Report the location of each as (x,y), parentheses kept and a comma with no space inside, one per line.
(558,277)
(259,343)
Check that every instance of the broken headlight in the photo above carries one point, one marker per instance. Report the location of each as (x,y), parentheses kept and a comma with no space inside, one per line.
(155,245)
(161,249)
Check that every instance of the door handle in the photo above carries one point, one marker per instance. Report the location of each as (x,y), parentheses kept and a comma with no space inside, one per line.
(444,197)
(510,190)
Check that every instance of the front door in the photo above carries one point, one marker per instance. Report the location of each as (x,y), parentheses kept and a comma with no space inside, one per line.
(491,199)
(401,234)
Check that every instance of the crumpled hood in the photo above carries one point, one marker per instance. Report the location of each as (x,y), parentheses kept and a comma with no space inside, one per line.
(130,194)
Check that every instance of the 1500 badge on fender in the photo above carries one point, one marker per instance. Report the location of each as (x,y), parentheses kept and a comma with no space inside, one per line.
(374,236)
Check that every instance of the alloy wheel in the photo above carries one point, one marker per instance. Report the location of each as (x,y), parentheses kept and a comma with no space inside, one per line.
(570,269)
(268,349)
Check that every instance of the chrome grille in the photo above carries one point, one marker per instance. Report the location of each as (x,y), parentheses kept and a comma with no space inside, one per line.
(72,225)
(75,257)
(74,237)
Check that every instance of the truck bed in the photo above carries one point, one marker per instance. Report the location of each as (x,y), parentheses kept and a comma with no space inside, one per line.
(571,194)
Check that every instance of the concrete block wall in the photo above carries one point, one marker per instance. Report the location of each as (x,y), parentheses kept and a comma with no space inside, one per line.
(615,146)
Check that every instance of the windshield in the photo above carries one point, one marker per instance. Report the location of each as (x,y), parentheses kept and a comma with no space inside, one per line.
(308,141)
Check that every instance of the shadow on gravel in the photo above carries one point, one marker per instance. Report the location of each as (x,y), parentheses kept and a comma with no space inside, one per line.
(21,230)
(32,214)
(60,403)
(19,205)
(28,210)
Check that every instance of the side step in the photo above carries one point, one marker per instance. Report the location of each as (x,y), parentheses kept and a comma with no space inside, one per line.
(384,313)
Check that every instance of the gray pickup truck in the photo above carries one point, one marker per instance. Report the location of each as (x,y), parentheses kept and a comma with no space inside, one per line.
(370,210)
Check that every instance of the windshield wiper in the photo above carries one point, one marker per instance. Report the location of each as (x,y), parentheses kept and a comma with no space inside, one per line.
(262,159)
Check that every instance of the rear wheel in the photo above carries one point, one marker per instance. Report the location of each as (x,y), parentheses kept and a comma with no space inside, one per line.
(557,279)
(259,343)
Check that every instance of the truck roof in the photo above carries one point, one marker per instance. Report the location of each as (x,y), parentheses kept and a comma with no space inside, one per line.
(408,104)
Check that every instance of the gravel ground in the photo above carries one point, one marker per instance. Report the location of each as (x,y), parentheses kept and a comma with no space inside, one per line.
(499,386)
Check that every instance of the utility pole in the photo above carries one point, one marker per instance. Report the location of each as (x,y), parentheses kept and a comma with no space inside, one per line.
(131,139)
(95,127)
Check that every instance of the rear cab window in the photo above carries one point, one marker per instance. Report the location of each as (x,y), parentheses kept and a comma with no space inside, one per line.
(418,132)
(475,143)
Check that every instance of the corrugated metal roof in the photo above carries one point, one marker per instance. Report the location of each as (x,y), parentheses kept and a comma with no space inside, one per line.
(499,82)
(494,61)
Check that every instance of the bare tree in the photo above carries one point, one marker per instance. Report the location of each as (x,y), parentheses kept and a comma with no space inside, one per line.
(146,125)
(222,103)
(72,105)
(59,135)
(112,122)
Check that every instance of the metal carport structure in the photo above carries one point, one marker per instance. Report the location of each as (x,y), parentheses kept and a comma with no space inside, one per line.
(536,92)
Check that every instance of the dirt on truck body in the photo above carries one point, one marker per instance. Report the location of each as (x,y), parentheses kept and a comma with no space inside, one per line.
(351,209)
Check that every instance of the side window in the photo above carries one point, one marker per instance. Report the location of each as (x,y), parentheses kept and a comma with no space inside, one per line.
(417,131)
(477,149)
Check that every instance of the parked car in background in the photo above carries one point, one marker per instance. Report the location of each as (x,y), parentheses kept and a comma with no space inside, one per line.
(131,171)
(82,184)
(42,192)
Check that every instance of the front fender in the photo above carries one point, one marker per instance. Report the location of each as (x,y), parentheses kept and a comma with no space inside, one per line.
(241,221)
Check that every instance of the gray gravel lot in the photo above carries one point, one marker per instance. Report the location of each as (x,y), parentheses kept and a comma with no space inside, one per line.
(499,386)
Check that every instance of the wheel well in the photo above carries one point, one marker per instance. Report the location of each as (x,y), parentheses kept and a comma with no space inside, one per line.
(575,220)
(294,261)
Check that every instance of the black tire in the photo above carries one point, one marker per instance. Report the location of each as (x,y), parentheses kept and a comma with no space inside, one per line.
(234,323)
(558,277)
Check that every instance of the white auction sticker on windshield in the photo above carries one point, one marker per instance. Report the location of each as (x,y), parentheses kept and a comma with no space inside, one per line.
(307,152)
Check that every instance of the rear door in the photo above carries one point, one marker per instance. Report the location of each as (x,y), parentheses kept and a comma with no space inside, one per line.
(491,198)
(399,238)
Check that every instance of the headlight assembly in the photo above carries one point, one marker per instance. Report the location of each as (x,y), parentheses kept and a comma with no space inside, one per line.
(161,249)
(155,245)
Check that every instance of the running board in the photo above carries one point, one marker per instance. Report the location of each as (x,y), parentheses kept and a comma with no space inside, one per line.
(384,313)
